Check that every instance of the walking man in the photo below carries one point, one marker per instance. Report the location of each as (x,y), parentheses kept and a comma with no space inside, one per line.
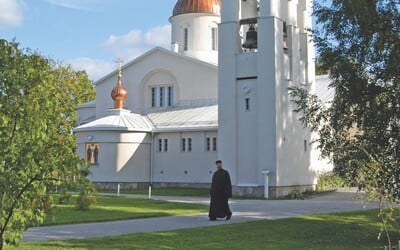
(221,191)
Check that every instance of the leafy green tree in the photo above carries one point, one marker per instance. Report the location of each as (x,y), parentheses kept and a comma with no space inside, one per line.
(37,153)
(358,41)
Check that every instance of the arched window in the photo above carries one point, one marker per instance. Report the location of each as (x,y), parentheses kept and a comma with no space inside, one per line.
(160,90)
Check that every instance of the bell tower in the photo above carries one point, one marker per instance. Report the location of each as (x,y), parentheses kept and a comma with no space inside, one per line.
(264,47)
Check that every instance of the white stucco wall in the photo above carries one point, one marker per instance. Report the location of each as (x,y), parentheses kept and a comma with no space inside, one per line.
(170,166)
(86,113)
(123,157)
(194,80)
(199,35)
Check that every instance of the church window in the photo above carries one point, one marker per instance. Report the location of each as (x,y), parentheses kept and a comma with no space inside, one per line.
(189,146)
(247,104)
(153,97)
(159,145)
(162,96)
(165,145)
(185,39)
(208,144)
(186,144)
(214,38)
(215,144)
(183,144)
(170,96)
(305,145)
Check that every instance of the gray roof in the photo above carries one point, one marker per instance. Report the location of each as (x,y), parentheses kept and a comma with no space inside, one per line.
(118,120)
(185,118)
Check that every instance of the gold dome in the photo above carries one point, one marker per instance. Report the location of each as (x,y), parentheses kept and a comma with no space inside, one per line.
(197,6)
(119,93)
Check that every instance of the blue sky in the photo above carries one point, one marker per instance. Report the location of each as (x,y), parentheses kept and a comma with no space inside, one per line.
(88,34)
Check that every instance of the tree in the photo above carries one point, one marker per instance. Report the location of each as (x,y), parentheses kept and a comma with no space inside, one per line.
(358,41)
(37,112)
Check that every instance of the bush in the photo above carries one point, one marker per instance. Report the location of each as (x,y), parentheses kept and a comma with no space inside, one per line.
(330,180)
(86,198)
(295,194)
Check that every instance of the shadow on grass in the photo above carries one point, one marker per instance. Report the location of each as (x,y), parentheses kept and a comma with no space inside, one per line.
(110,208)
(355,230)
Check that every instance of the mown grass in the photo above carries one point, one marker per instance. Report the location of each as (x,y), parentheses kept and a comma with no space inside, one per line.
(110,208)
(195,192)
(352,230)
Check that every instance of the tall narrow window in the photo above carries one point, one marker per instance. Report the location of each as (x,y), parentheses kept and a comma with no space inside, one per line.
(208,144)
(285,37)
(214,38)
(247,104)
(153,97)
(189,146)
(185,39)
(183,144)
(165,145)
(162,96)
(215,144)
(170,96)
(305,145)
(159,145)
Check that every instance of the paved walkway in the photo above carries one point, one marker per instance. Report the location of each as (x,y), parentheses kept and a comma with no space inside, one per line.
(243,210)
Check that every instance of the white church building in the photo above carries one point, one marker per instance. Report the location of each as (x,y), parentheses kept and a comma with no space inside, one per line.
(220,92)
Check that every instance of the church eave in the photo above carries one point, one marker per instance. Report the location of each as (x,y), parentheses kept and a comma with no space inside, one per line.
(91,129)
(185,129)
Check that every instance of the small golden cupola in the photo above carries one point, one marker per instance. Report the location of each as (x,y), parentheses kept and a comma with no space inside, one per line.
(119,93)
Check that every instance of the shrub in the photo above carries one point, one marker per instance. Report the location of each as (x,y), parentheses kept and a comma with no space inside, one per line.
(86,198)
(295,194)
(330,180)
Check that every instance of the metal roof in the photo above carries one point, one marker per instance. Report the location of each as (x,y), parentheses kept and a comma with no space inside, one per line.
(185,118)
(118,120)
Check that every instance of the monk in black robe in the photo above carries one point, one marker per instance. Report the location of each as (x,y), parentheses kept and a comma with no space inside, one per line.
(221,191)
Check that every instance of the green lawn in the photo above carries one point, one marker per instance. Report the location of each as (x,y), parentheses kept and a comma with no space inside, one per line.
(109,208)
(195,192)
(353,230)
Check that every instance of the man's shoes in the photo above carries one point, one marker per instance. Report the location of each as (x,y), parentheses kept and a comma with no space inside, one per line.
(213,219)
(228,217)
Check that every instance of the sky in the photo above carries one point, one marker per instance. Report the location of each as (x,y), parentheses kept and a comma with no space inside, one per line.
(87,34)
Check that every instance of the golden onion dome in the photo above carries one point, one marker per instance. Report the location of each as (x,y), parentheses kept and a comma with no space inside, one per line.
(119,93)
(197,6)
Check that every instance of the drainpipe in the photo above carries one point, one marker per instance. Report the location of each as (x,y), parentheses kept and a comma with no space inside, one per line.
(151,162)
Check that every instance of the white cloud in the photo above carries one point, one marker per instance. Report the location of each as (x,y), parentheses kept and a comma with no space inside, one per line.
(159,36)
(95,68)
(126,46)
(11,13)
(136,42)
(83,5)
(132,38)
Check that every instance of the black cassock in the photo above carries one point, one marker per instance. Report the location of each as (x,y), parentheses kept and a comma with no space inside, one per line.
(221,190)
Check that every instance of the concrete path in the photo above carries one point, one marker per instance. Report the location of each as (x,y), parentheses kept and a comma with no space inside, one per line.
(243,210)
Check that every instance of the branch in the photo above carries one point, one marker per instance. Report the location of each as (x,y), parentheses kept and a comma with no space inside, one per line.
(11,211)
